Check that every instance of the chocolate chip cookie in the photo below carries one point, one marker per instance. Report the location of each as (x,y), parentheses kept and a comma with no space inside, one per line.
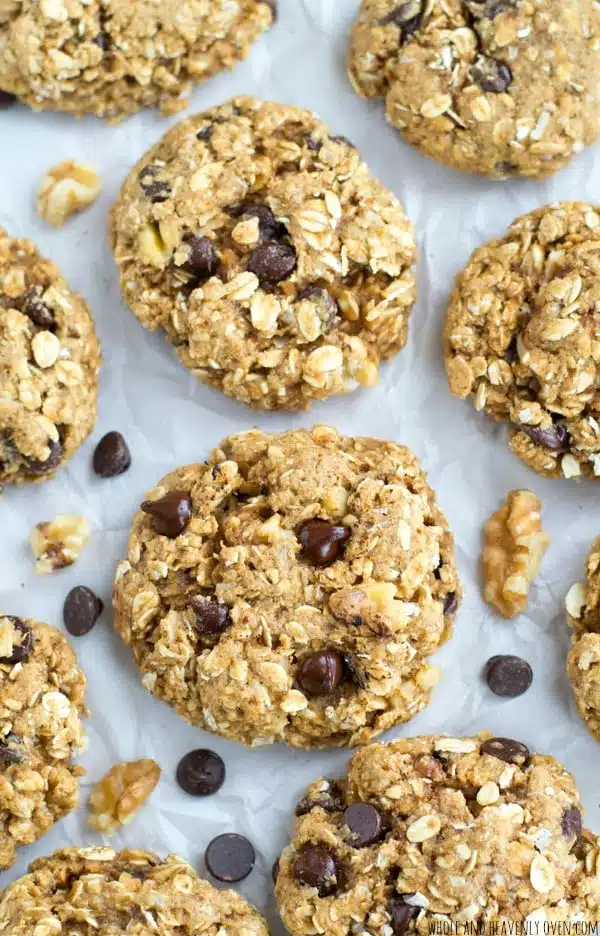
(49,363)
(520,337)
(495,87)
(583,662)
(111,59)
(90,891)
(290,589)
(41,710)
(460,830)
(278,267)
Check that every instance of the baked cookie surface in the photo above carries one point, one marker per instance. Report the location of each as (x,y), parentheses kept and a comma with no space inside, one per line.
(494,87)
(90,891)
(49,363)
(278,267)
(460,830)
(290,589)
(583,661)
(41,709)
(520,337)
(110,58)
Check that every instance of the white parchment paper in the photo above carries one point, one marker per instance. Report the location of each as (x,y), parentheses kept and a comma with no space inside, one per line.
(169,419)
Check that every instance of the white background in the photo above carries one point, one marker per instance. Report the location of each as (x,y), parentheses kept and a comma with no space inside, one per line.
(169,419)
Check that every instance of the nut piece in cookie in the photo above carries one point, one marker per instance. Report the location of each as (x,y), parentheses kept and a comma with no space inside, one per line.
(291,588)
(58,544)
(121,793)
(42,706)
(499,88)
(277,266)
(520,337)
(583,662)
(65,190)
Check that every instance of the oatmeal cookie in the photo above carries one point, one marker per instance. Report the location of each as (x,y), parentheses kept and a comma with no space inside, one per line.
(460,830)
(520,337)
(279,268)
(494,87)
(41,710)
(290,589)
(583,662)
(91,891)
(109,58)
(49,363)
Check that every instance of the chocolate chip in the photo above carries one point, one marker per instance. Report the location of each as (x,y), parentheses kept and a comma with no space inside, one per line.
(339,138)
(205,135)
(9,751)
(511,355)
(317,867)
(365,825)
(407,17)
(81,610)
(212,616)
(276,868)
(327,307)
(6,100)
(321,672)
(315,146)
(201,773)
(112,456)
(272,262)
(494,7)
(330,799)
(450,604)
(170,514)
(36,467)
(507,750)
(508,676)
(491,74)
(555,437)
(202,261)
(230,857)
(21,651)
(322,542)
(401,913)
(36,310)
(571,824)
(157,191)
(354,671)
(268,225)
(505,168)
(102,40)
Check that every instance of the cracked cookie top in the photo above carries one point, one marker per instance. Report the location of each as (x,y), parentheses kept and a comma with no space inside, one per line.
(495,87)
(462,830)
(290,589)
(109,58)
(279,268)
(41,710)
(49,363)
(520,337)
(87,891)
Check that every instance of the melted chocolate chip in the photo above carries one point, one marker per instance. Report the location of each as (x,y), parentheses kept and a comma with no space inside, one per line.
(505,749)
(401,913)
(554,437)
(571,824)
(322,542)
(202,261)
(317,867)
(230,858)
(205,135)
(272,262)
(365,825)
(201,773)
(170,514)
(36,467)
(212,616)
(36,310)
(491,75)
(321,672)
(330,799)
(112,456)
(21,651)
(81,610)
(508,676)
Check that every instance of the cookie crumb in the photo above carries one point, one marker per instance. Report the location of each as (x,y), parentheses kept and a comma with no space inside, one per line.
(122,791)
(65,190)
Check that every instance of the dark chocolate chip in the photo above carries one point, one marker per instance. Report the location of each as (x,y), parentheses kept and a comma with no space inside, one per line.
(505,749)
(555,437)
(322,542)
(272,262)
(203,261)
(36,467)
(450,603)
(508,676)
(331,800)
(313,145)
(10,753)
(268,225)
(212,616)
(571,824)
(39,313)
(491,75)
(230,857)
(201,773)
(365,825)
(401,914)
(511,355)
(339,138)
(205,135)
(321,672)
(81,610)
(505,168)
(22,650)
(157,191)
(102,40)
(494,7)
(112,456)
(354,671)
(407,17)
(170,514)
(6,100)
(317,867)
(275,870)
(327,307)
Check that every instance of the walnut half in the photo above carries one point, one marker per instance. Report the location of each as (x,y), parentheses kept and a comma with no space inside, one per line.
(122,791)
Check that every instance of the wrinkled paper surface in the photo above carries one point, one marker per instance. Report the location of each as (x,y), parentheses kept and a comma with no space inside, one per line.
(169,419)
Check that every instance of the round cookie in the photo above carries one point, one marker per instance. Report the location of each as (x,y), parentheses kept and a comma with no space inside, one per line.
(94,891)
(459,830)
(276,264)
(290,589)
(583,661)
(520,337)
(49,363)
(41,710)
(110,59)
(494,87)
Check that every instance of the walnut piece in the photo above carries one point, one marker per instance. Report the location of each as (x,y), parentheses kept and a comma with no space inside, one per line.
(513,550)
(116,798)
(58,544)
(65,190)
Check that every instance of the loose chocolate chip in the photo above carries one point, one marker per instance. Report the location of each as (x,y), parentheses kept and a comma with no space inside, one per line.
(170,514)
(401,914)
(205,134)
(81,610)
(39,313)
(6,100)
(112,456)
(275,870)
(322,542)
(571,824)
(268,225)
(212,616)
(203,261)
(450,603)
(331,800)
(36,467)
(317,867)
(491,74)
(365,825)
(508,676)
(321,672)
(20,651)
(230,857)
(505,749)
(201,773)
(555,437)
(272,262)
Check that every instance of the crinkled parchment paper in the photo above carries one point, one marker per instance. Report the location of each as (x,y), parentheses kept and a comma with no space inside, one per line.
(169,419)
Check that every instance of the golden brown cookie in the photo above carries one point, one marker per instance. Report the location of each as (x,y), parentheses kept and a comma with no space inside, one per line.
(583,663)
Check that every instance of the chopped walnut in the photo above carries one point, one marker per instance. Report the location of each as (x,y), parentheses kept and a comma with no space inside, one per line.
(513,550)
(65,190)
(116,798)
(58,544)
